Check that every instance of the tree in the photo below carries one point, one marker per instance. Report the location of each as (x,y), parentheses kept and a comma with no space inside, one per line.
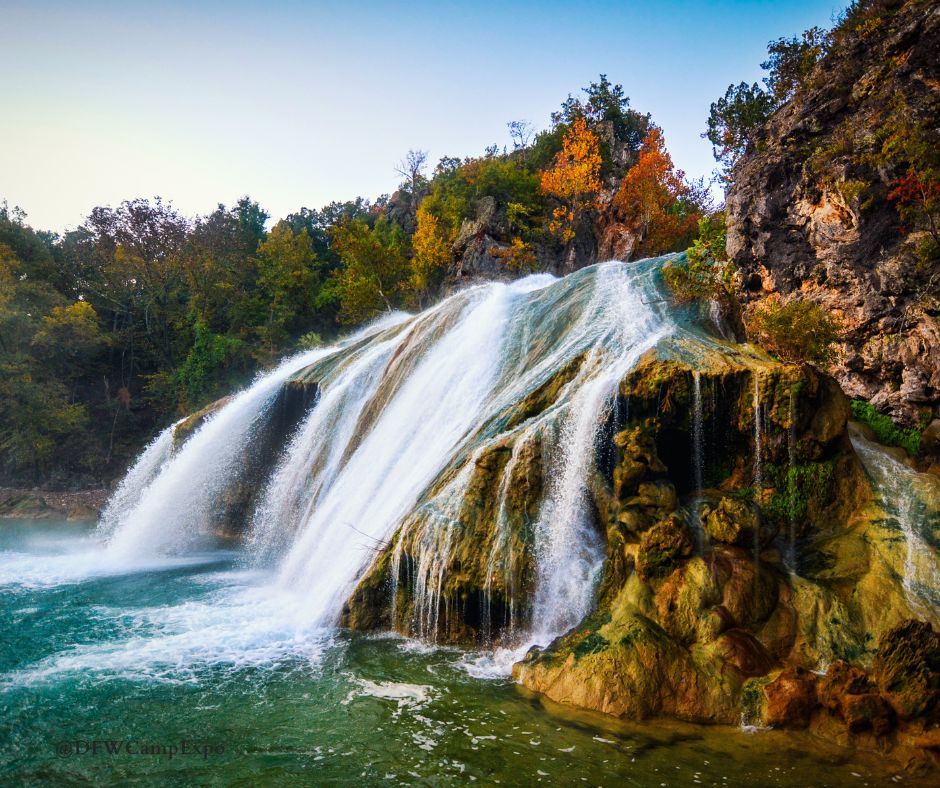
(706,274)
(797,330)
(654,200)
(521,132)
(289,281)
(574,179)
(70,336)
(376,269)
(791,60)
(733,120)
(411,168)
(606,103)
(431,252)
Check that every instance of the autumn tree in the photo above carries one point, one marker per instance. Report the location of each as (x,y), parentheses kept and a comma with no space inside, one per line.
(605,104)
(288,280)
(431,253)
(574,179)
(655,201)
(376,273)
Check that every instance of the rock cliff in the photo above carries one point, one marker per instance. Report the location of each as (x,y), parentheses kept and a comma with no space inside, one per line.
(810,210)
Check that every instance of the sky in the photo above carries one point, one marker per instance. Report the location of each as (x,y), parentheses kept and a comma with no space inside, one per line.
(302,103)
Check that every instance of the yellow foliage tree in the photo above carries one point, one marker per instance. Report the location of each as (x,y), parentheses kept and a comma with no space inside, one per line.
(518,256)
(431,252)
(574,178)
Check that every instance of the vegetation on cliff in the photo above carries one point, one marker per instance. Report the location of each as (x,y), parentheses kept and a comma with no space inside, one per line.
(833,170)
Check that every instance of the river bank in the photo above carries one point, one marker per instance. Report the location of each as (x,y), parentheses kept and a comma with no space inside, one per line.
(37,504)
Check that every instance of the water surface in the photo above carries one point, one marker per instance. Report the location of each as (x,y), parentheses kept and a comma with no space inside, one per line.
(204,651)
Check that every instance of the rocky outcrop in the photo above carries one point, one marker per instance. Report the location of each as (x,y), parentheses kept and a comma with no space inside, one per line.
(36,504)
(809,212)
(721,604)
(734,571)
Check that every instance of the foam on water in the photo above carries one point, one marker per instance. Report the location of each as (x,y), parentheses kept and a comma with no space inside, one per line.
(239,624)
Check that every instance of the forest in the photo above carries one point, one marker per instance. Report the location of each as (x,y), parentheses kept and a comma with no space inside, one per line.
(140,315)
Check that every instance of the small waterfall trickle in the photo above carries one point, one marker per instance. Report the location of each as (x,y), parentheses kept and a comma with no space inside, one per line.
(502,559)
(758,462)
(792,558)
(698,456)
(910,501)
(698,432)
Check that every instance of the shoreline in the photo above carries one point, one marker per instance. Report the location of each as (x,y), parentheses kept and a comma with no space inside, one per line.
(23,503)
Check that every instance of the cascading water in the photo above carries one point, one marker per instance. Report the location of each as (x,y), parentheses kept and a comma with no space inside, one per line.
(911,502)
(698,455)
(758,460)
(402,409)
(174,510)
(138,478)
(698,431)
(314,456)
(426,414)
(792,558)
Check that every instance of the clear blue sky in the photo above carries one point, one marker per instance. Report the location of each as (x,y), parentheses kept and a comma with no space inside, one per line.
(302,103)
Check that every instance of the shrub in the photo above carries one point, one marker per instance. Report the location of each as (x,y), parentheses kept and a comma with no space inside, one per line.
(706,275)
(797,330)
(310,340)
(886,431)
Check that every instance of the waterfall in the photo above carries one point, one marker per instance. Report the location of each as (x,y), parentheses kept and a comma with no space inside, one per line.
(173,511)
(426,411)
(128,493)
(792,558)
(910,501)
(315,454)
(698,457)
(381,464)
(569,549)
(698,431)
(758,463)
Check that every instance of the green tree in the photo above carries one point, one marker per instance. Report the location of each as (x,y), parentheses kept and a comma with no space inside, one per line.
(289,281)
(791,60)
(734,118)
(377,270)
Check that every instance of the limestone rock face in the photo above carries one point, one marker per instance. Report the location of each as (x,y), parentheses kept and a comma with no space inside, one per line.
(738,564)
(809,213)
(717,604)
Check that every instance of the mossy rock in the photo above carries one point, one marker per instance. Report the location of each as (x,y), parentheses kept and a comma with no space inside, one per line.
(662,547)
(907,670)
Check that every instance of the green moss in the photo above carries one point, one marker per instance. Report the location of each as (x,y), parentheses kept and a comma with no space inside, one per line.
(797,488)
(745,494)
(592,644)
(886,431)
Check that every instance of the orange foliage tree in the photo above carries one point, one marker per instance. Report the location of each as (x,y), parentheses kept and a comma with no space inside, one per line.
(574,178)
(654,200)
